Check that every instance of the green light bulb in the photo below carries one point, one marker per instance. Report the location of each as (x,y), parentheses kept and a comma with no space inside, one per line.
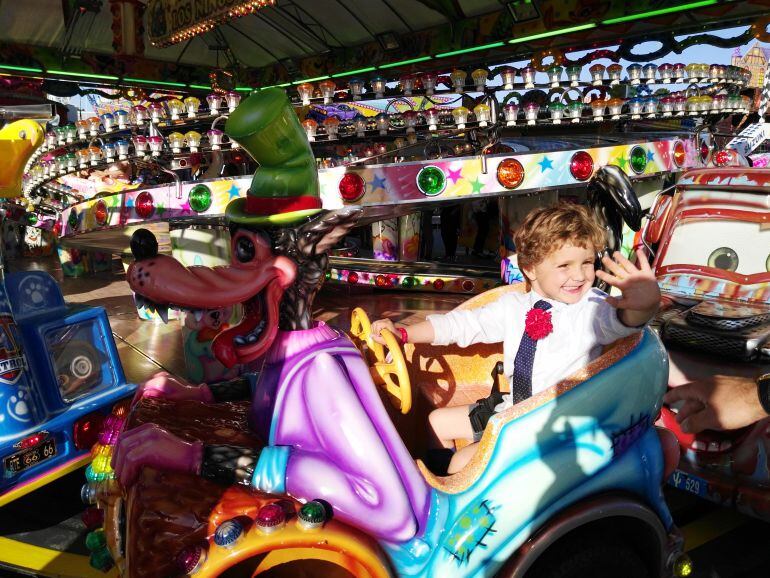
(199,198)
(431,181)
(638,160)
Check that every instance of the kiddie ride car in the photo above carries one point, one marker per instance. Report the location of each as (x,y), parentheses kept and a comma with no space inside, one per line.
(711,238)
(313,476)
(59,369)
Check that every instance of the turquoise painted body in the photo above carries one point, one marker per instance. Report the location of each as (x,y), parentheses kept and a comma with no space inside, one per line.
(597,437)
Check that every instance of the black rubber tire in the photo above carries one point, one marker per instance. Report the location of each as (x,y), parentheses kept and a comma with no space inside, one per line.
(590,557)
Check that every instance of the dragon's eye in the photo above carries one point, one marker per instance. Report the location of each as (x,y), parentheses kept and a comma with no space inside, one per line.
(244,249)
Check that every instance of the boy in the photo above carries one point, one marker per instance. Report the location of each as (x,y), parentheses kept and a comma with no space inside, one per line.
(551,331)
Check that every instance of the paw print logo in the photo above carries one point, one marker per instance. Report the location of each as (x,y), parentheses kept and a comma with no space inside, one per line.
(35,293)
(17,406)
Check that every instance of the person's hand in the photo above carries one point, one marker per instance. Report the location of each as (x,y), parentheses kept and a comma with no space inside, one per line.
(719,402)
(638,285)
(167,386)
(151,445)
(381,324)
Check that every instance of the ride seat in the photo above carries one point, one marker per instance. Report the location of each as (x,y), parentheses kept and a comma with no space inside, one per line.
(449,375)
(462,480)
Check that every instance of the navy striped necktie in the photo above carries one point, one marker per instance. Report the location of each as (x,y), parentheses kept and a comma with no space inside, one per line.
(521,382)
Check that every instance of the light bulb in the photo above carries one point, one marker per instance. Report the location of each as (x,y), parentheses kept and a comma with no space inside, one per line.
(432,118)
(82,128)
(597,109)
(528,75)
(554,75)
(215,138)
(95,154)
(193,139)
(615,106)
(310,127)
(597,74)
(649,72)
(356,88)
(327,88)
(483,114)
(140,113)
(122,147)
(511,112)
(176,141)
(121,117)
(360,125)
(175,108)
(573,74)
(331,124)
(666,72)
(191,105)
(140,145)
(83,157)
(383,122)
(407,84)
(94,124)
(460,115)
(109,151)
(107,121)
(458,78)
(305,91)
(233,99)
(214,101)
(379,84)
(428,82)
(651,106)
(508,76)
(531,110)
(410,120)
(156,144)
(614,71)
(556,110)
(479,77)
(156,111)
(575,111)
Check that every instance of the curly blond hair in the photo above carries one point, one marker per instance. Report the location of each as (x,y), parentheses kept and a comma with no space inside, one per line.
(547,229)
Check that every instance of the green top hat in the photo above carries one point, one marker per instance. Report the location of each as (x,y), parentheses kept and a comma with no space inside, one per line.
(284,189)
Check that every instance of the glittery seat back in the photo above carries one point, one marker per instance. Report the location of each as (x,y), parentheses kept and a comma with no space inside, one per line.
(450,375)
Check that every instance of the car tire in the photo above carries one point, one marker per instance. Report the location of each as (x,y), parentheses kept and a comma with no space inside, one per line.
(597,556)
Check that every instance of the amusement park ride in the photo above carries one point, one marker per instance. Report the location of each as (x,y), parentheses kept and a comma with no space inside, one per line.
(274,188)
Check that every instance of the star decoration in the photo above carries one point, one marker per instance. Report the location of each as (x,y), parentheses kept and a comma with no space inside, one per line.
(621,162)
(378,182)
(160,209)
(185,209)
(476,186)
(129,202)
(546,163)
(234,192)
(650,156)
(454,175)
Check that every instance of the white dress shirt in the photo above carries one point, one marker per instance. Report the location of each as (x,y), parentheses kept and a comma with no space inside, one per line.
(579,332)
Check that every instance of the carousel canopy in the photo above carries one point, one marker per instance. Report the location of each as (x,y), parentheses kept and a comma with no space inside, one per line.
(277,41)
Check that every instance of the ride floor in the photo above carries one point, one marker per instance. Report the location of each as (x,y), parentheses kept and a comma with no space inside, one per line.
(43,534)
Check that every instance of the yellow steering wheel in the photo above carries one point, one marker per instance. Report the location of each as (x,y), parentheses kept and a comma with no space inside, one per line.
(389,368)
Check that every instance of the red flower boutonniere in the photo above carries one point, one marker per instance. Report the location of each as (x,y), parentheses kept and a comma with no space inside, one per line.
(538,324)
